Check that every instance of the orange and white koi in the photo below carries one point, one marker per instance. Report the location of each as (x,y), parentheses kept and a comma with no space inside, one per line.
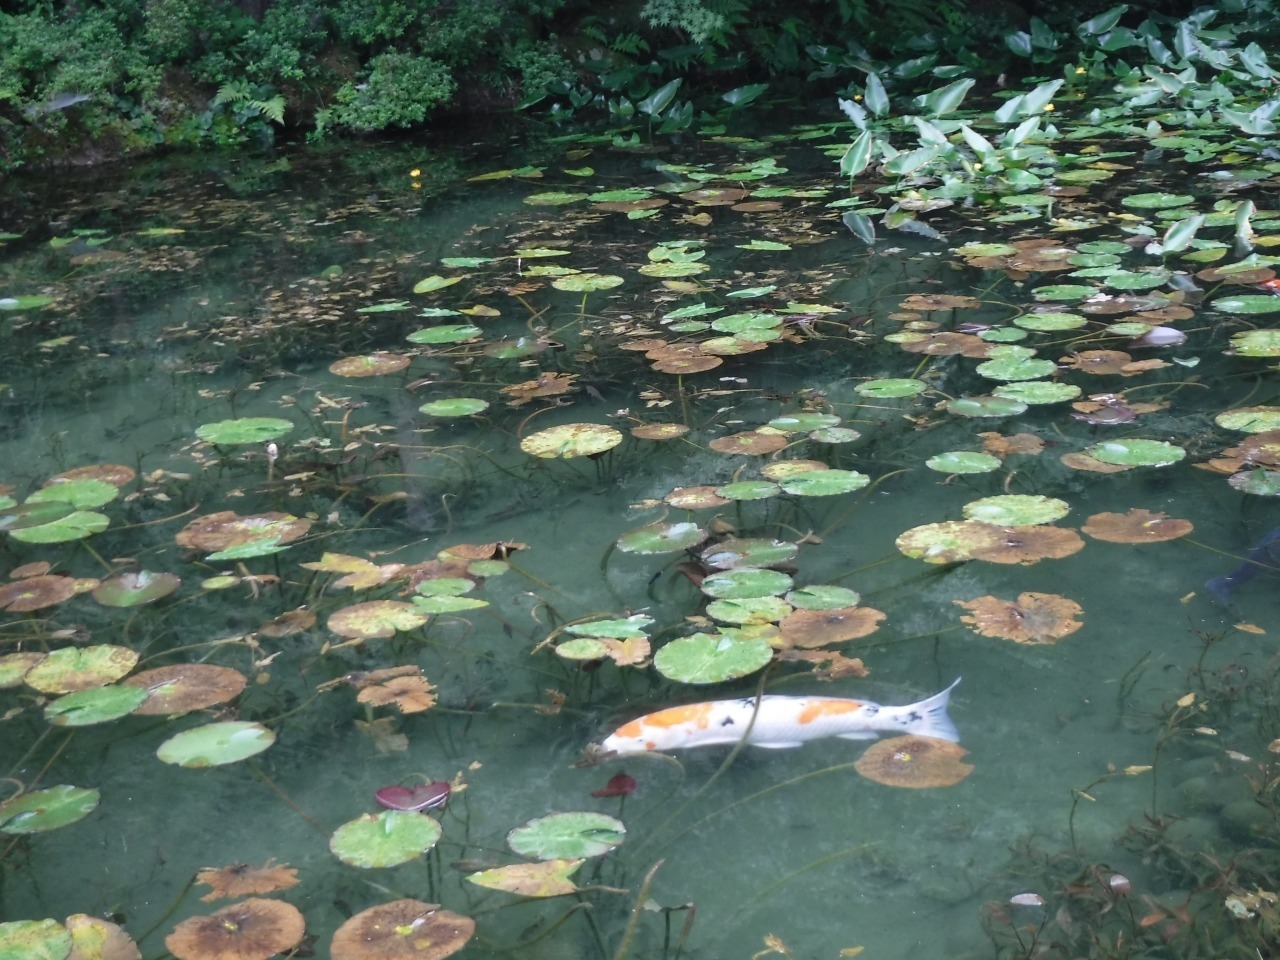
(779,722)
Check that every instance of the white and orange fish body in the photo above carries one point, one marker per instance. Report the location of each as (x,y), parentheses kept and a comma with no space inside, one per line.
(780,722)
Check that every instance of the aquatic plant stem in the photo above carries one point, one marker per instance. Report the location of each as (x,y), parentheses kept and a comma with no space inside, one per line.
(625,946)
(286,798)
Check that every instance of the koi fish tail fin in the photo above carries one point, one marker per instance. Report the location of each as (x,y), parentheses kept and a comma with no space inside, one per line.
(929,718)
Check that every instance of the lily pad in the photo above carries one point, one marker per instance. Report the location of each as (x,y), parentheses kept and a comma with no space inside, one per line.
(1136,453)
(748,552)
(986,407)
(586,282)
(454,407)
(47,809)
(136,588)
(661,538)
(547,879)
(183,687)
(402,930)
(745,582)
(81,494)
(369,365)
(1157,201)
(376,618)
(34,939)
(434,283)
(1257,343)
(1033,392)
(1260,483)
(963,461)
(81,668)
(33,514)
(1248,304)
(1016,510)
(562,836)
(74,526)
(1250,419)
(890,388)
(632,626)
(214,744)
(711,658)
(446,333)
(749,490)
(384,839)
(571,440)
(822,597)
(243,430)
(824,483)
(98,705)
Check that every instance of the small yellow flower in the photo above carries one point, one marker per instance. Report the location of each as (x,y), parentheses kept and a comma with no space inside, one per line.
(417,185)
(415,172)
(1079,70)
(1048,108)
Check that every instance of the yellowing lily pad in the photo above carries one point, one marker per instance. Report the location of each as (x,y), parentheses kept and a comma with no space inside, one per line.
(547,879)
(376,618)
(81,668)
(571,440)
(1016,509)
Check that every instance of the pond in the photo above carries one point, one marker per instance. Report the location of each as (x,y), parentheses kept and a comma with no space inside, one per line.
(427,465)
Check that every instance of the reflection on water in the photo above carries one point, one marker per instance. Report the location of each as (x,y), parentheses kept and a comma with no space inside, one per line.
(184,296)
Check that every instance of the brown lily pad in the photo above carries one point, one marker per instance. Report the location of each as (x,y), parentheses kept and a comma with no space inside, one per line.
(240,880)
(36,593)
(950,541)
(550,878)
(226,528)
(408,694)
(1019,443)
(113,473)
(914,762)
(659,431)
(1136,526)
(1032,618)
(750,442)
(402,930)
(926,302)
(808,629)
(944,344)
(184,687)
(1030,544)
(695,498)
(685,364)
(254,929)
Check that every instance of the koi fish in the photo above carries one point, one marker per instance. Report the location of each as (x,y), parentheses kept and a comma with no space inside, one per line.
(780,722)
(1265,556)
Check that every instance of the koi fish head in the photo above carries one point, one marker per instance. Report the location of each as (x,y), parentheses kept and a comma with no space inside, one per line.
(664,730)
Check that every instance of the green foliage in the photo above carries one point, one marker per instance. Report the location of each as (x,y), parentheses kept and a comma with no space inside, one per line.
(250,100)
(399,91)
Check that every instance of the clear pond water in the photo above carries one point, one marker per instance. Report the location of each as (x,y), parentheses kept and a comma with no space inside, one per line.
(1132,737)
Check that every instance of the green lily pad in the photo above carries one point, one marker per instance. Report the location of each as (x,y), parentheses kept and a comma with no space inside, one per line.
(822,597)
(434,283)
(986,407)
(25,302)
(81,668)
(745,582)
(624,629)
(98,705)
(804,422)
(446,333)
(750,293)
(748,552)
(749,490)
(763,245)
(583,648)
(384,839)
(14,666)
(711,658)
(454,407)
(74,526)
(445,587)
(1137,453)
(1016,510)
(34,939)
(693,310)
(562,836)
(1137,279)
(243,430)
(214,744)
(668,269)
(261,547)
(1250,419)
(1157,201)
(1033,392)
(970,250)
(1016,368)
(445,604)
(963,461)
(571,440)
(81,494)
(1050,322)
(47,809)
(1248,304)
(748,323)
(1257,343)
(586,282)
(661,538)
(389,307)
(890,388)
(624,195)
(749,610)
(135,588)
(1064,291)
(33,514)
(824,483)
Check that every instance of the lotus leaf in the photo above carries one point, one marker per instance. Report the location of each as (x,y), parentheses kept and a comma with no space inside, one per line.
(73,526)
(564,836)
(661,538)
(97,705)
(711,658)
(47,809)
(214,744)
(384,839)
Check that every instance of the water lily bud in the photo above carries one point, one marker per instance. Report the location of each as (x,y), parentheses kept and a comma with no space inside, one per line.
(1027,900)
(273,453)
(1119,885)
